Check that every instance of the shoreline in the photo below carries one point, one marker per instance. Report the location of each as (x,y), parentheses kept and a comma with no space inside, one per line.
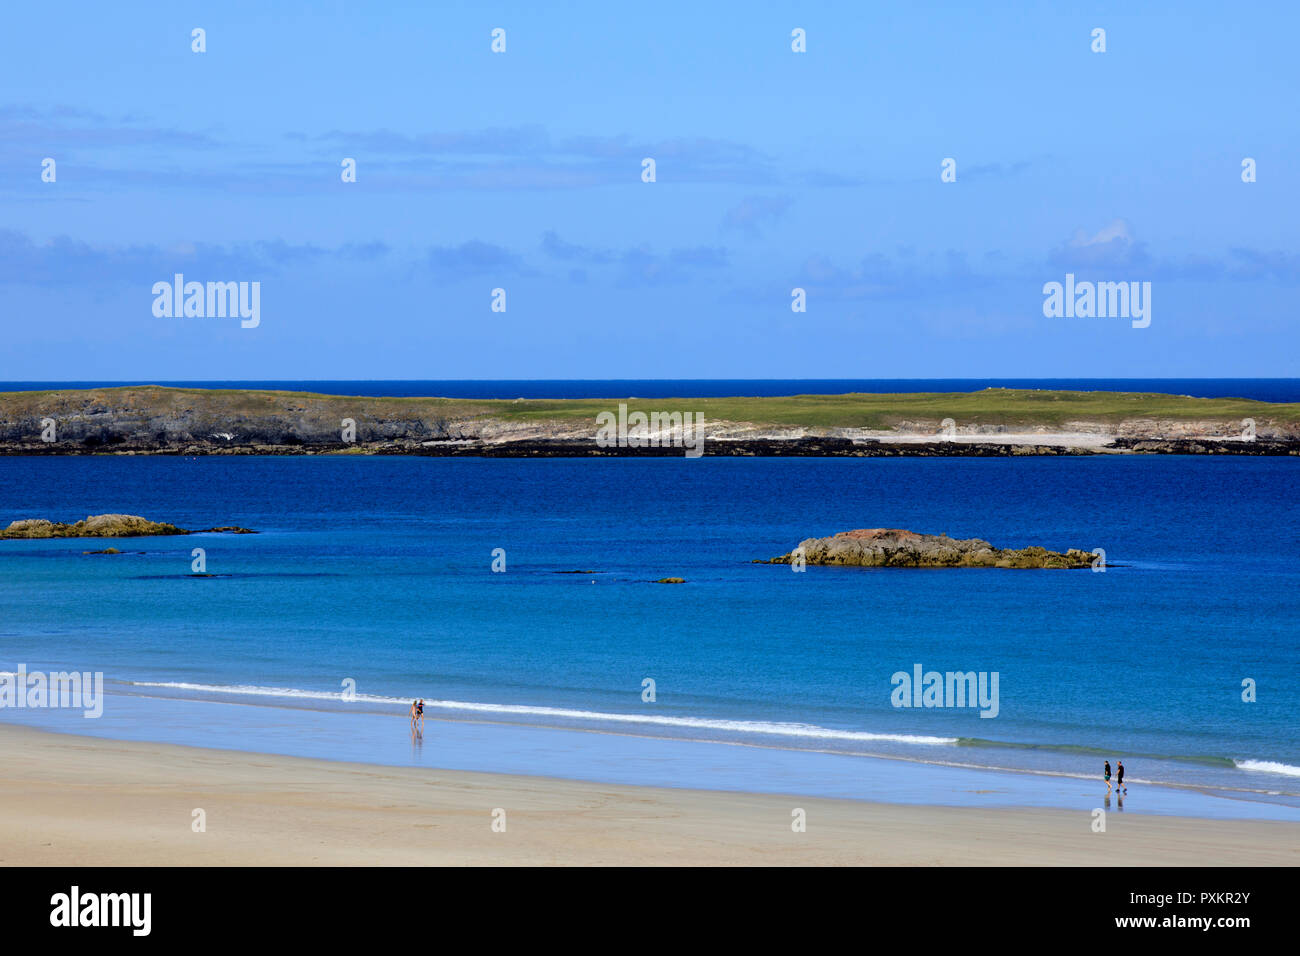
(636,758)
(75,800)
(1019,446)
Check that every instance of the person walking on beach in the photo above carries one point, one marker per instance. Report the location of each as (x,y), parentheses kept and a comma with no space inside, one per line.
(419,714)
(1108,778)
(414,714)
(1119,776)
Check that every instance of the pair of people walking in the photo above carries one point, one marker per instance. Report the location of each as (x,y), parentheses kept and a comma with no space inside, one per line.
(417,721)
(1119,779)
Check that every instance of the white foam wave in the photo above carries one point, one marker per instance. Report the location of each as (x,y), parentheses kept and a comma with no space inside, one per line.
(1268,766)
(700,723)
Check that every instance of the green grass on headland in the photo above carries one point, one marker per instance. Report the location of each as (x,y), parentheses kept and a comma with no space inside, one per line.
(994,407)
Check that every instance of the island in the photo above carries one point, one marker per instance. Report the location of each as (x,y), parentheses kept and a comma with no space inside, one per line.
(896,548)
(104,526)
(157,420)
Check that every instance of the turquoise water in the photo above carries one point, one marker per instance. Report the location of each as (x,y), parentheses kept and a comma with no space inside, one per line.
(379,571)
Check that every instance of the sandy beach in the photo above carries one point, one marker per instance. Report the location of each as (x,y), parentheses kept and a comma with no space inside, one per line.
(71,800)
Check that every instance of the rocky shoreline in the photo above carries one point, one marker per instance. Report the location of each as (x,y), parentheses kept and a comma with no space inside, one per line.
(726,447)
(897,548)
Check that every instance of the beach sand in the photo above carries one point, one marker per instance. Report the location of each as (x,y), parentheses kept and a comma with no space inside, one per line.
(70,800)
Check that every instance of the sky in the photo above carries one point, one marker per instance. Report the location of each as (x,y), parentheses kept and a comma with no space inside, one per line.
(522,170)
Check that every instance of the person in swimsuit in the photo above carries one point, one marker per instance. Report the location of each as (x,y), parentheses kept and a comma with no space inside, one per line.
(1119,776)
(419,714)
(1107,776)
(414,714)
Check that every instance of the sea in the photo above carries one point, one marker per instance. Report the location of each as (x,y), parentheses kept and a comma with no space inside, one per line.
(519,600)
(1259,389)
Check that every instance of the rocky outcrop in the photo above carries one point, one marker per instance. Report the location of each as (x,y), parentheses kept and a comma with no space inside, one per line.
(895,548)
(101,526)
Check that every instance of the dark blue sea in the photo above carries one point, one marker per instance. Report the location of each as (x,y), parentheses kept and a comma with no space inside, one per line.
(379,571)
(1260,389)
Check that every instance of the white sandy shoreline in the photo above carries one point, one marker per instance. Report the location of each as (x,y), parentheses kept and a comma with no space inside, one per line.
(70,800)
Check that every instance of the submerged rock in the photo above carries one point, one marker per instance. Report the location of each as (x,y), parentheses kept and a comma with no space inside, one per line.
(100,526)
(896,548)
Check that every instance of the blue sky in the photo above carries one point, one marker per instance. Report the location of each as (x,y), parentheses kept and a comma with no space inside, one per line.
(522,171)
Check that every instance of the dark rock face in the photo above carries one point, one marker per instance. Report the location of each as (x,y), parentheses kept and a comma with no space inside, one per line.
(895,548)
(100,526)
(1201,446)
